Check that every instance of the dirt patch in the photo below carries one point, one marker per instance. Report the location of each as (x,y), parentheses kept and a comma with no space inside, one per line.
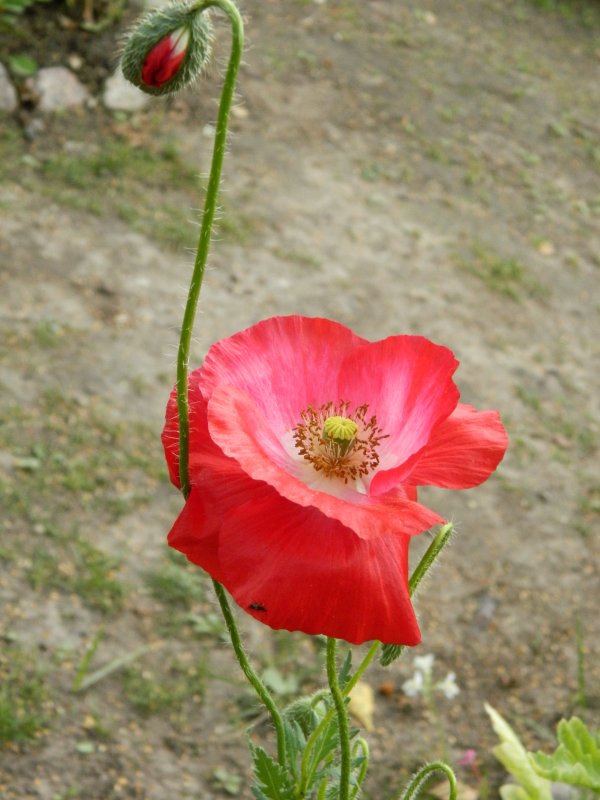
(400,168)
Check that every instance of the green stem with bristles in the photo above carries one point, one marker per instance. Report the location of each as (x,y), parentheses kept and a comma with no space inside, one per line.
(419,782)
(258,686)
(342,716)
(210,204)
(183,355)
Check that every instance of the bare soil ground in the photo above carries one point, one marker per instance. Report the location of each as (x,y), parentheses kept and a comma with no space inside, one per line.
(428,168)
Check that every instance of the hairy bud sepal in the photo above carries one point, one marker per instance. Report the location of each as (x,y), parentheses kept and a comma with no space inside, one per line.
(168,49)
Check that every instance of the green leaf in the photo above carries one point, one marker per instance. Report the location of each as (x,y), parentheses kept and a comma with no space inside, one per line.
(576,760)
(325,746)
(295,743)
(273,782)
(515,759)
(278,683)
(22,66)
(510,791)
(230,782)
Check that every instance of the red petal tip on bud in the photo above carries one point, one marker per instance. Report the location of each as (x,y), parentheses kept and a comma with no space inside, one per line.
(165,58)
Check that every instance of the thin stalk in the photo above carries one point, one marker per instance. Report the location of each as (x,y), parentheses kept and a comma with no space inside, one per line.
(371,653)
(210,204)
(258,686)
(360,744)
(183,354)
(342,715)
(420,780)
(429,557)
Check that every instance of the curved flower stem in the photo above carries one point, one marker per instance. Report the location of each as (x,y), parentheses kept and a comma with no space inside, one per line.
(419,781)
(259,687)
(360,744)
(429,556)
(342,715)
(210,203)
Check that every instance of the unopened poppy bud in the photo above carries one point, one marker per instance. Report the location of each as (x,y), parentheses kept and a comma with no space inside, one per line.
(165,58)
(167,50)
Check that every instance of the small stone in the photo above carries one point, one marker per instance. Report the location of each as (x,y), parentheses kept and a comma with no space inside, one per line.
(120,95)
(75,61)
(546,248)
(58,89)
(34,128)
(8,93)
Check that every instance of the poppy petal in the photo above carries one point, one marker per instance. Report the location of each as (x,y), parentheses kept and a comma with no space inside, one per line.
(407,383)
(285,364)
(356,590)
(202,449)
(196,535)
(463,450)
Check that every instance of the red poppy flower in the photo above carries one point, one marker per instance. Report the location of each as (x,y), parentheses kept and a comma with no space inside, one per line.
(165,58)
(307,444)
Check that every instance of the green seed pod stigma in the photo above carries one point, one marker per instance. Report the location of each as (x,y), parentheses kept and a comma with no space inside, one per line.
(167,50)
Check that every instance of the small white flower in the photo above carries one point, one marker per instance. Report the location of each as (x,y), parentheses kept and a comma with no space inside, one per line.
(425,663)
(448,686)
(413,686)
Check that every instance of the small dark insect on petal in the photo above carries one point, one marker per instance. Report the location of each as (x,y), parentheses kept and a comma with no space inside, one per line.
(257,607)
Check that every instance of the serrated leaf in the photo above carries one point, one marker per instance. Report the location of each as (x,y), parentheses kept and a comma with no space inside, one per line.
(273,781)
(576,760)
(334,774)
(295,743)
(515,759)
(279,683)
(325,746)
(332,793)
(22,66)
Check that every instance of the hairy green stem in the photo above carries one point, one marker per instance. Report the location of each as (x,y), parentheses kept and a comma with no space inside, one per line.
(429,556)
(258,686)
(361,745)
(210,204)
(342,715)
(420,780)
(371,653)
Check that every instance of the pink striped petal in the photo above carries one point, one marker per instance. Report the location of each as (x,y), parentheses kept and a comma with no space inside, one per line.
(463,451)
(285,364)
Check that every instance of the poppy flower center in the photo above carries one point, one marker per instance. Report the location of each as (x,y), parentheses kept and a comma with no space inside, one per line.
(336,443)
